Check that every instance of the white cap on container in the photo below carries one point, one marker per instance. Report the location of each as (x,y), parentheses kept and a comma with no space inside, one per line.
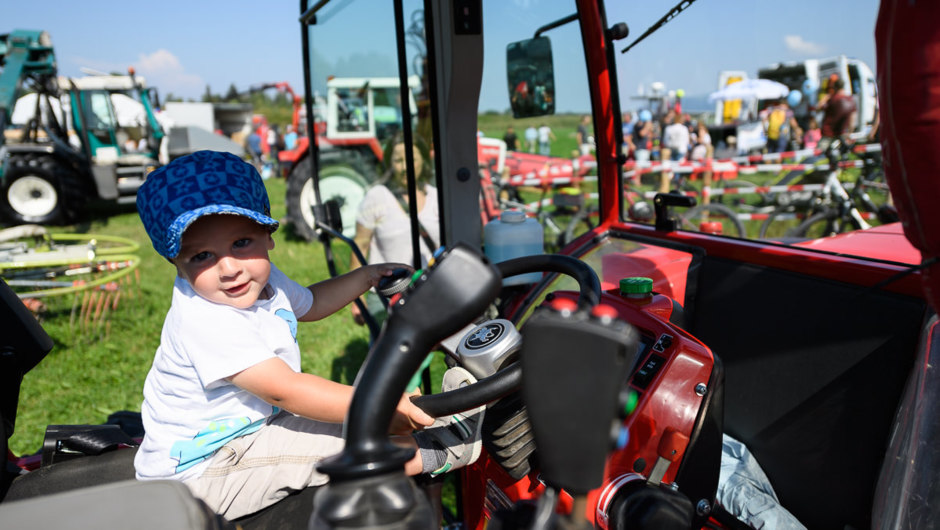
(512,216)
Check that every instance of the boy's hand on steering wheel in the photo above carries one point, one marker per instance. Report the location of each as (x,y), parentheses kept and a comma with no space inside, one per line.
(408,417)
(381,270)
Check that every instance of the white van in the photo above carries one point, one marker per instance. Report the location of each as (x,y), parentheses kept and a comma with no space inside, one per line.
(859,77)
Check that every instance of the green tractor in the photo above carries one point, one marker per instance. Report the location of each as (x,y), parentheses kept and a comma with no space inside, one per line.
(67,142)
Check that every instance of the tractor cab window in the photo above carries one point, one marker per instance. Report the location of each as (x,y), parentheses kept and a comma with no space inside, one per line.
(101,124)
(352,112)
(98,112)
(358,121)
(533,101)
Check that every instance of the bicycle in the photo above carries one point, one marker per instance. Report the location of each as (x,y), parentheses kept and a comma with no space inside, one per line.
(837,208)
(564,214)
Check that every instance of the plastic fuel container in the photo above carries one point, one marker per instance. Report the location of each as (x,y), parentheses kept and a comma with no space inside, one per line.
(514,235)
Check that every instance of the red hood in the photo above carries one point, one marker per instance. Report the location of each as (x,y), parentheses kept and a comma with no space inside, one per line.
(886,242)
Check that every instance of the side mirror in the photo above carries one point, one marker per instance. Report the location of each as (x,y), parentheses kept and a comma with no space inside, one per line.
(531,77)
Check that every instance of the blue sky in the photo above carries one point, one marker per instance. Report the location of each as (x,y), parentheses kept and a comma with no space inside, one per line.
(180,47)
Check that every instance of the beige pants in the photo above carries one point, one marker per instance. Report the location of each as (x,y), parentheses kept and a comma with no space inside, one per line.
(261,468)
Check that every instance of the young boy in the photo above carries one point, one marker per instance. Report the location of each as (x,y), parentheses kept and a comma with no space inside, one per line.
(226,408)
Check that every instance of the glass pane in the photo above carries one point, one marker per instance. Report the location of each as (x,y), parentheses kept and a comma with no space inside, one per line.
(539,164)
(99,111)
(358,119)
(752,159)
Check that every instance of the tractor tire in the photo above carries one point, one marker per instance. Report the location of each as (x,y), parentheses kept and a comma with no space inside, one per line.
(345,180)
(39,189)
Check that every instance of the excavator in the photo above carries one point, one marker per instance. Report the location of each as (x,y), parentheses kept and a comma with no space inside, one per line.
(87,139)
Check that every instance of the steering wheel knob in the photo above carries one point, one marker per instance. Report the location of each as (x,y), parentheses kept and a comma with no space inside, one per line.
(397,282)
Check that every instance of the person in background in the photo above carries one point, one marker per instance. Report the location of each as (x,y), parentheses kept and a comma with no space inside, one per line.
(629,148)
(290,138)
(254,149)
(643,136)
(780,124)
(546,136)
(703,143)
(510,139)
(839,112)
(584,138)
(531,138)
(676,138)
(383,223)
(812,135)
(274,140)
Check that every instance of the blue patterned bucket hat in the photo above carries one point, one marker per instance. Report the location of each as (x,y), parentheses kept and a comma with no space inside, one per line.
(198,184)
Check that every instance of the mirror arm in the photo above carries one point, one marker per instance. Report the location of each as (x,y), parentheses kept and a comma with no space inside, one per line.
(552,25)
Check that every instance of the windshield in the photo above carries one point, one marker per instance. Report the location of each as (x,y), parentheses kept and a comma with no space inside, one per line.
(756,163)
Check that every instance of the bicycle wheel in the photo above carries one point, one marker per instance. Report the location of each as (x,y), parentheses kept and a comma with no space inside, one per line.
(793,177)
(782,222)
(824,224)
(743,189)
(579,223)
(693,218)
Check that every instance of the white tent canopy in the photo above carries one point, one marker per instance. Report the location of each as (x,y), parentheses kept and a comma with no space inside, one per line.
(25,109)
(129,111)
(750,89)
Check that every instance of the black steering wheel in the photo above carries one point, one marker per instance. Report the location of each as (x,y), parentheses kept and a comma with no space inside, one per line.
(509,379)
(367,479)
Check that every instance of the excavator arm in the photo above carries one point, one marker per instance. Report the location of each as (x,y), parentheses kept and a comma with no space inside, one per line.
(27,58)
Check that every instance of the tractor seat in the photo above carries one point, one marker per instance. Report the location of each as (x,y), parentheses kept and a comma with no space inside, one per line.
(68,475)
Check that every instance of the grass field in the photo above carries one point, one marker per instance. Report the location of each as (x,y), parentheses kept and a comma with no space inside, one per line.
(563,125)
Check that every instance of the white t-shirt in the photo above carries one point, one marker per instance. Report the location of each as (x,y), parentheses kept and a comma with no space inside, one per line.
(676,137)
(189,409)
(545,134)
(381,212)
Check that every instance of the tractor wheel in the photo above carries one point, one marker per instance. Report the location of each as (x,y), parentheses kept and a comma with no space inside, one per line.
(36,190)
(343,180)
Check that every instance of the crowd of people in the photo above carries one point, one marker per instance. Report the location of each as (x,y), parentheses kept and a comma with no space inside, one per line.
(676,136)
(264,143)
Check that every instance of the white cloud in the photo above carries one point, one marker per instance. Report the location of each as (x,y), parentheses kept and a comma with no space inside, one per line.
(796,44)
(163,70)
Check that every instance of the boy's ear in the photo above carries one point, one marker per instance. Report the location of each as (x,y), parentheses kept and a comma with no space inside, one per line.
(270,241)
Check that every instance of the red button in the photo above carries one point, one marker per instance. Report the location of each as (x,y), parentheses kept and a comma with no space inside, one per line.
(603,310)
(564,304)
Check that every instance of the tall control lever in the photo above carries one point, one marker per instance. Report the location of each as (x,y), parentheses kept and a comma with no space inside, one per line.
(367,481)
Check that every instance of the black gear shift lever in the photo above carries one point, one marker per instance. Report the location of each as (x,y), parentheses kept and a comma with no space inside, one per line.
(367,481)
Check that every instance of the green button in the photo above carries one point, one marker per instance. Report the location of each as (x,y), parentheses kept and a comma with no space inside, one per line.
(636,285)
(416,275)
(633,399)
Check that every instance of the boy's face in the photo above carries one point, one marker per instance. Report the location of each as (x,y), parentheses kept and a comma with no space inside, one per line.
(225,259)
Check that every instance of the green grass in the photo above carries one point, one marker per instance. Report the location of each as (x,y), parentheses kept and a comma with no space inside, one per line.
(563,125)
(94,370)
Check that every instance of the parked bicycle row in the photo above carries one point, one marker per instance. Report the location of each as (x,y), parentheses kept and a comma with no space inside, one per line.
(838,191)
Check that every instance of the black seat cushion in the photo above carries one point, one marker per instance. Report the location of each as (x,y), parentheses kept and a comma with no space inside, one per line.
(80,472)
